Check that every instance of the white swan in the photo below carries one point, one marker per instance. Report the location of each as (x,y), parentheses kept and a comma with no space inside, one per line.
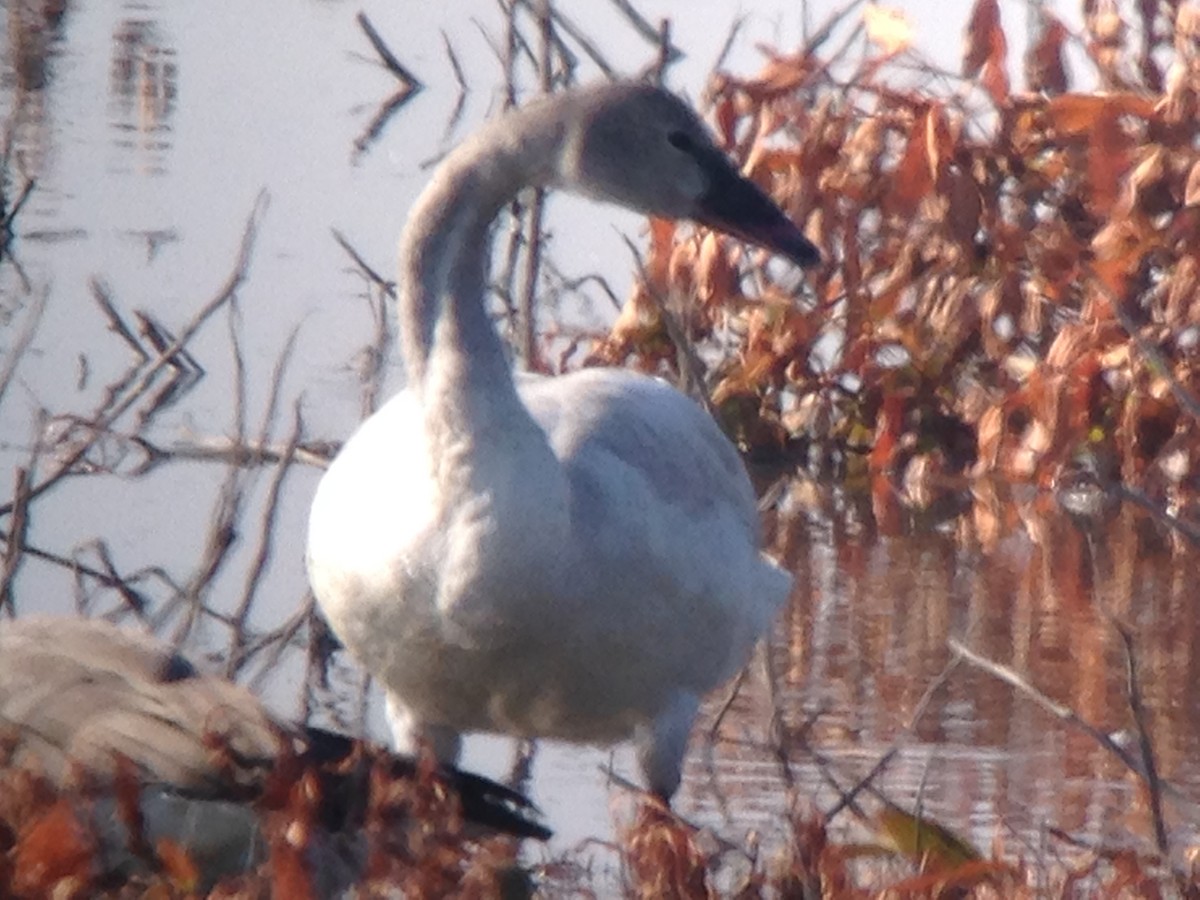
(575,557)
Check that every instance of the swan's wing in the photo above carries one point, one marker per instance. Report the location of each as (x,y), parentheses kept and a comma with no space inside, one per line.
(665,520)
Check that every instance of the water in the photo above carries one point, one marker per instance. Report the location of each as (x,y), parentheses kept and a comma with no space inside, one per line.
(154,128)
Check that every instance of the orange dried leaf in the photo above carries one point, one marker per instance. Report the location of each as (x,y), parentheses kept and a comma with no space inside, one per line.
(1072,115)
(888,427)
(288,869)
(56,846)
(662,243)
(781,75)
(913,178)
(715,278)
(1191,193)
(938,139)
(1045,66)
(955,882)
(987,50)
(178,865)
(985,17)
(995,81)
(725,116)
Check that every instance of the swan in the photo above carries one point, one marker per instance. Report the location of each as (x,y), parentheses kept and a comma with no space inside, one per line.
(82,700)
(574,557)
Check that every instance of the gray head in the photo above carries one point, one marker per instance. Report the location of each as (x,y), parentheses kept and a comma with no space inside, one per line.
(642,147)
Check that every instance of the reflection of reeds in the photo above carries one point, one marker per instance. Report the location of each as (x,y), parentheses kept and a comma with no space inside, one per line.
(10,206)
(1052,595)
(143,86)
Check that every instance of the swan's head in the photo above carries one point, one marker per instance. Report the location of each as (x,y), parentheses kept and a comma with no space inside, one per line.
(643,148)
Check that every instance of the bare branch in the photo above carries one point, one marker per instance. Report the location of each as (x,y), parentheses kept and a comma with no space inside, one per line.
(1056,709)
(1149,766)
(14,547)
(20,346)
(267,533)
(113,408)
(411,82)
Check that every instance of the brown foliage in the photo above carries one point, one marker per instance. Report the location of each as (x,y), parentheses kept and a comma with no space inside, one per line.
(1013,276)
(415,836)
(663,857)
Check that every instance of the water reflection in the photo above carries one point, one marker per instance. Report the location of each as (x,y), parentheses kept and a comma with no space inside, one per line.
(1017,581)
(142,90)
(33,26)
(34,30)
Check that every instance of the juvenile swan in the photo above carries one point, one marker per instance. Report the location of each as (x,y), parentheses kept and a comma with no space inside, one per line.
(573,557)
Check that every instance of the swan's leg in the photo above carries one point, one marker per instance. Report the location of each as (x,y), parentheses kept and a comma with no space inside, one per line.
(409,734)
(662,744)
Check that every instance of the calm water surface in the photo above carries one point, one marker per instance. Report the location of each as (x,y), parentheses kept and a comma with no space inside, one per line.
(152,129)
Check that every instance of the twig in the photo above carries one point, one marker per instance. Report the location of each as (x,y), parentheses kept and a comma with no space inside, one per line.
(389,287)
(664,50)
(461,101)
(1163,516)
(116,324)
(244,453)
(14,547)
(113,408)
(527,305)
(113,579)
(1056,709)
(108,579)
(373,377)
(848,799)
(278,638)
(6,223)
(411,82)
(263,553)
(579,37)
(20,345)
(669,52)
(735,28)
(222,534)
(377,353)
(375,127)
(1145,745)
(497,51)
(691,368)
(410,86)
(504,285)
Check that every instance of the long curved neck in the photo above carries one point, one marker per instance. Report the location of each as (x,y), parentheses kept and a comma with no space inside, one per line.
(455,360)
(444,252)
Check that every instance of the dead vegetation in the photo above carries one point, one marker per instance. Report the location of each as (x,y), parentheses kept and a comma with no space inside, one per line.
(319,829)
(1014,275)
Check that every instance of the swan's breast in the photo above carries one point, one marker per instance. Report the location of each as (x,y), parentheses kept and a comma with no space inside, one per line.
(373,516)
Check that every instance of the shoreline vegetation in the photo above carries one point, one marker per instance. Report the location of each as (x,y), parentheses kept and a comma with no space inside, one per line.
(1009,330)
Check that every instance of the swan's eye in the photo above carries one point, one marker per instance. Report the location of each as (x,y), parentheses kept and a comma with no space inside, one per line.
(681,141)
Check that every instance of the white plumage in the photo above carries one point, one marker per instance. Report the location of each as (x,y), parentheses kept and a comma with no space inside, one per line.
(573,557)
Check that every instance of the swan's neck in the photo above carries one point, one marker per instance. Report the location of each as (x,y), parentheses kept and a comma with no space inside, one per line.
(473,418)
(444,252)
